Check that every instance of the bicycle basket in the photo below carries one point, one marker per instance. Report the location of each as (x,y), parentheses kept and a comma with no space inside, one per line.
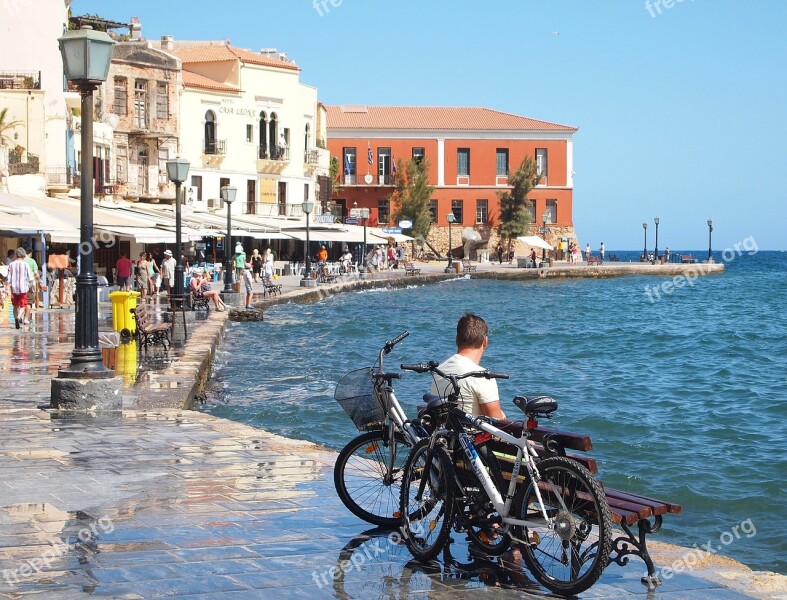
(355,394)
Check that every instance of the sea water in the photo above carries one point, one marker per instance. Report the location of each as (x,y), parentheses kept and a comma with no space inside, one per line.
(684,394)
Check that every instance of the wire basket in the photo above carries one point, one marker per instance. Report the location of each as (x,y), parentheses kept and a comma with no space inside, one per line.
(355,394)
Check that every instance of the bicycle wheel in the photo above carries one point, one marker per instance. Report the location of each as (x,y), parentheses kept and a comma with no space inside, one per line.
(568,554)
(488,536)
(427,522)
(362,480)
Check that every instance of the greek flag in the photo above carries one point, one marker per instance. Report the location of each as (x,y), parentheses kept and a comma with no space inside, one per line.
(347,167)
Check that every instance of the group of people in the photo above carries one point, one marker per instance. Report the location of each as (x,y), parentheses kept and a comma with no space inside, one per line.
(21,279)
(261,265)
(152,273)
(509,254)
(381,259)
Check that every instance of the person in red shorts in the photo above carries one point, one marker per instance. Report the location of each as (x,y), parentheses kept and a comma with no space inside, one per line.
(19,278)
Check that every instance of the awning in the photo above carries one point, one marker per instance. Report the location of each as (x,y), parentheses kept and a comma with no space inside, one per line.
(31,221)
(534,242)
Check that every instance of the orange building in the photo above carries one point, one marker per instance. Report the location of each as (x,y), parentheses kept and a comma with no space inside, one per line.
(470,153)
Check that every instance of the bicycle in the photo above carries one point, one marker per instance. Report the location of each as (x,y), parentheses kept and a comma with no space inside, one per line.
(558,516)
(367,473)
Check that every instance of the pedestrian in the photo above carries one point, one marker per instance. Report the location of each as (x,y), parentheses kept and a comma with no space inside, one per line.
(588,252)
(256,264)
(123,272)
(533,257)
(322,255)
(156,261)
(10,257)
(391,256)
(575,258)
(500,252)
(247,283)
(601,251)
(20,279)
(267,267)
(35,285)
(143,275)
(168,271)
(240,261)
(666,254)
(510,252)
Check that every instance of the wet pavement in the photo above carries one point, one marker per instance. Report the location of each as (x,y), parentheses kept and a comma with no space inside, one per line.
(165,502)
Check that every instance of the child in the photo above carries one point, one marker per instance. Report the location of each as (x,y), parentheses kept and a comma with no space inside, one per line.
(247,281)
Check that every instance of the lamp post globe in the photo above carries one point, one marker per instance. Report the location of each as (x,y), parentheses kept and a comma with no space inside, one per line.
(228,194)
(451,218)
(656,252)
(308,207)
(177,172)
(365,217)
(710,240)
(86,56)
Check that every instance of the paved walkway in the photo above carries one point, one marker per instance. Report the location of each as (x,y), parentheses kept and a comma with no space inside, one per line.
(167,502)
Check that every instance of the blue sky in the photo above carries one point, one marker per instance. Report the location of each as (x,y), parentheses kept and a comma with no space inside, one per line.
(680,107)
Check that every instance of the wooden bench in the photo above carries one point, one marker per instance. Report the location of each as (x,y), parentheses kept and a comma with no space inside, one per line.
(269,287)
(411,269)
(148,331)
(687,259)
(199,301)
(627,508)
(466,266)
(593,260)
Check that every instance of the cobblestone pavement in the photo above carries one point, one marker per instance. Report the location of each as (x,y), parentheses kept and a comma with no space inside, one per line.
(167,502)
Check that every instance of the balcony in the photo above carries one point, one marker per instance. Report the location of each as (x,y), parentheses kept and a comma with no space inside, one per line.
(368,180)
(20,80)
(311,161)
(272,161)
(213,152)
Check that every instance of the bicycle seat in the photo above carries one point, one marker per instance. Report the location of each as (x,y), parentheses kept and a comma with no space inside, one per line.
(536,405)
(433,401)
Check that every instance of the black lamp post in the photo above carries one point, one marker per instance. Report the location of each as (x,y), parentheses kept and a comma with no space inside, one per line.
(545,218)
(656,254)
(86,58)
(308,207)
(177,171)
(645,251)
(228,193)
(365,217)
(710,238)
(451,218)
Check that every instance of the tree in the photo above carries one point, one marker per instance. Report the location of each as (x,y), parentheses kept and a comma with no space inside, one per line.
(412,196)
(6,127)
(515,209)
(335,175)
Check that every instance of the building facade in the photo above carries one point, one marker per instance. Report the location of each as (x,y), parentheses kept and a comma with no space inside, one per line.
(470,153)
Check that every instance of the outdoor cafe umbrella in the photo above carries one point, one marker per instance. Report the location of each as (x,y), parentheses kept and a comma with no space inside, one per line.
(534,242)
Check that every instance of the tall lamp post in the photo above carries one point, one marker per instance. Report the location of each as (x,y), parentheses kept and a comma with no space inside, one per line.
(545,219)
(656,254)
(86,58)
(177,171)
(308,207)
(365,217)
(451,220)
(645,250)
(228,193)
(710,238)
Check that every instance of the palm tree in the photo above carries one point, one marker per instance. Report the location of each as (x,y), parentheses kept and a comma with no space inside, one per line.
(6,127)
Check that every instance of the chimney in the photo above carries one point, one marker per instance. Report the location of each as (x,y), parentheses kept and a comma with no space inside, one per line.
(167,43)
(135,28)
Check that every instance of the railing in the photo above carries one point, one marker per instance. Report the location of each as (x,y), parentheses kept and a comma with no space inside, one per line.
(214,147)
(20,80)
(349,179)
(385,179)
(311,157)
(58,175)
(377,180)
(265,153)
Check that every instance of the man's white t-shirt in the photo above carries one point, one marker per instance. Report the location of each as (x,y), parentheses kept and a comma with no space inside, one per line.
(474,391)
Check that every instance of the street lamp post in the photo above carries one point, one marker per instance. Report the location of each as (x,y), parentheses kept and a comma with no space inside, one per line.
(545,218)
(645,251)
(365,217)
(177,171)
(451,218)
(710,239)
(228,193)
(86,57)
(308,207)
(656,253)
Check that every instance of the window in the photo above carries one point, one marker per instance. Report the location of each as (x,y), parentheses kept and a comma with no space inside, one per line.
(541,162)
(222,182)
(210,133)
(384,164)
(349,165)
(249,133)
(531,207)
(418,155)
(481,211)
(141,104)
(120,106)
(196,182)
(456,208)
(502,162)
(163,157)
(463,161)
(433,210)
(552,210)
(383,208)
(121,163)
(162,101)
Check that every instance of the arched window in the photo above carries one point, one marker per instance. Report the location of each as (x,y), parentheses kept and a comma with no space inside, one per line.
(307,144)
(210,132)
(263,136)
(273,133)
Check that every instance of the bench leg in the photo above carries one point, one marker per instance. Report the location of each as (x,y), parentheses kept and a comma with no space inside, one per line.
(621,550)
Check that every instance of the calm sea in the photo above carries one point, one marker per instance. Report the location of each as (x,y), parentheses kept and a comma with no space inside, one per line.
(685,397)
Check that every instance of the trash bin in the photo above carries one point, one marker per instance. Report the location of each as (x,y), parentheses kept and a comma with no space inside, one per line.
(551,262)
(123,320)
(458,267)
(109,341)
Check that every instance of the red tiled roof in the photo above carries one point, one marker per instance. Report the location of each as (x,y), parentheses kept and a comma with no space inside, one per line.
(195,80)
(200,54)
(434,117)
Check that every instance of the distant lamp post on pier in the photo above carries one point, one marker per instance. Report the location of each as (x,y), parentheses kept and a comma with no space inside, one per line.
(656,254)
(451,220)
(545,219)
(308,207)
(365,217)
(645,251)
(86,57)
(177,171)
(228,193)
(710,239)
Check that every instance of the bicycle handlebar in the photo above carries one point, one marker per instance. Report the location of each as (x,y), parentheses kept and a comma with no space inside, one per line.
(431,367)
(389,345)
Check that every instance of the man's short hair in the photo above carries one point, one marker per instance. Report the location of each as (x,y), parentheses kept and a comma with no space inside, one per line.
(20,252)
(471,331)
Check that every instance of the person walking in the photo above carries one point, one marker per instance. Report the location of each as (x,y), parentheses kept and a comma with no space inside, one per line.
(155,272)
(143,275)
(123,272)
(32,299)
(533,257)
(168,271)
(240,261)
(601,251)
(20,278)
(588,251)
(256,264)
(500,252)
